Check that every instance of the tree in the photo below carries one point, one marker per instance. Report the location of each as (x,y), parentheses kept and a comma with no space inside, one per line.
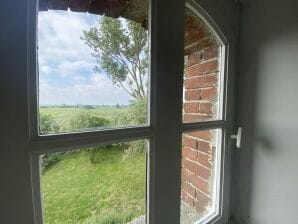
(48,124)
(95,122)
(121,50)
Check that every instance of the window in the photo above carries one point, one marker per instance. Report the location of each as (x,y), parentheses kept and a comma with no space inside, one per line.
(166,119)
(202,147)
(93,70)
(98,184)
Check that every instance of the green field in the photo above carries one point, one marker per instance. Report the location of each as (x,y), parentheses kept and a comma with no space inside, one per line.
(111,191)
(99,185)
(64,116)
(64,113)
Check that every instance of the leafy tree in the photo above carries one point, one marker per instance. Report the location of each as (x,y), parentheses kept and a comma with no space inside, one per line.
(80,120)
(121,50)
(138,111)
(48,124)
(95,121)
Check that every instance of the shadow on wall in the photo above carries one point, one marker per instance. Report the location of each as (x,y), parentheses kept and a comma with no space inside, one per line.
(261,23)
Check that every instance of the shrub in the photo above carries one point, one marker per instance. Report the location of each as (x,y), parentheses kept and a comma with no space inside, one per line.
(133,148)
(49,160)
(48,124)
(98,154)
(138,115)
(80,121)
(138,111)
(95,121)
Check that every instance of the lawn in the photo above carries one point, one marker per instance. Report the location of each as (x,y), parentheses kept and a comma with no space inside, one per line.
(108,192)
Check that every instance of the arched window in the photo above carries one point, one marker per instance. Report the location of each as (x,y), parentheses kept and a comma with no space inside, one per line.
(203,94)
(142,138)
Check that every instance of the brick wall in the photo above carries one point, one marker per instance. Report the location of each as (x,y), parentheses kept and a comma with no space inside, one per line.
(200,104)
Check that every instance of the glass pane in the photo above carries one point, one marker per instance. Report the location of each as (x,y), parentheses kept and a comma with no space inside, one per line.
(97,185)
(93,69)
(200,175)
(202,72)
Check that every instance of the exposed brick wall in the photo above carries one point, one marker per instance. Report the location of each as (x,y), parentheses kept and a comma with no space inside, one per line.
(200,104)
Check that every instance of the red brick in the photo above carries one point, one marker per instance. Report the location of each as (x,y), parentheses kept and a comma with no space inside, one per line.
(186,198)
(190,154)
(211,52)
(198,46)
(209,94)
(191,23)
(184,175)
(191,107)
(189,142)
(206,108)
(195,58)
(196,117)
(202,68)
(190,166)
(204,159)
(193,94)
(198,183)
(200,82)
(205,135)
(204,147)
(190,190)
(203,172)
(202,202)
(197,169)
(193,36)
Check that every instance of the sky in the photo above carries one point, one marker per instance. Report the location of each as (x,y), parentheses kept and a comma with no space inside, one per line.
(66,74)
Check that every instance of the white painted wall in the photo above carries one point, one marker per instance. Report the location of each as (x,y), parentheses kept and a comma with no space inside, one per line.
(265,184)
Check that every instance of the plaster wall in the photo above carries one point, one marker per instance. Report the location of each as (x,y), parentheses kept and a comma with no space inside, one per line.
(264,187)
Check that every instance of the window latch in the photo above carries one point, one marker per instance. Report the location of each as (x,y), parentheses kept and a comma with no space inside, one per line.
(238,137)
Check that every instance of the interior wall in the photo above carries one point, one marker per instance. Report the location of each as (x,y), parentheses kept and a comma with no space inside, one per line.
(266,167)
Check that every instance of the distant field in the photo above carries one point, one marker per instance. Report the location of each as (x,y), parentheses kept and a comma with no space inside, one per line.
(64,115)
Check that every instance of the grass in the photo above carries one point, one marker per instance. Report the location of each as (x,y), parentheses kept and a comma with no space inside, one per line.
(63,116)
(61,113)
(110,191)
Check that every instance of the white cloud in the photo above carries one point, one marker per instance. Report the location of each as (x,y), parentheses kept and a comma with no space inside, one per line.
(100,90)
(60,46)
(59,34)
(64,56)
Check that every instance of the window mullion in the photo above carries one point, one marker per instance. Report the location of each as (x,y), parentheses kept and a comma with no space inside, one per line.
(66,142)
(167,24)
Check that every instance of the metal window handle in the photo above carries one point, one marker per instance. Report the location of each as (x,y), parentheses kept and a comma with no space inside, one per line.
(237,137)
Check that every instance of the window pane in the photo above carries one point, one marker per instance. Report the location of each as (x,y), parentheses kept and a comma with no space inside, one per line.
(200,175)
(202,71)
(93,69)
(96,185)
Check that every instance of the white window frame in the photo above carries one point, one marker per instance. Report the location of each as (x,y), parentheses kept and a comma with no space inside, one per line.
(165,127)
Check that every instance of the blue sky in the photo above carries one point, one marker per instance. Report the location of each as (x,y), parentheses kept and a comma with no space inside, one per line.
(66,74)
